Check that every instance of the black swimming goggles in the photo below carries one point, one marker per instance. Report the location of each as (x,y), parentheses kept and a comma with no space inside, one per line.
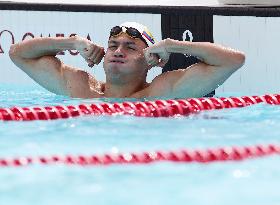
(132,32)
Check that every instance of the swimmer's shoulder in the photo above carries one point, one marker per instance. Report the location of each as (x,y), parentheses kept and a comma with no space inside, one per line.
(82,84)
(160,86)
(156,88)
(96,87)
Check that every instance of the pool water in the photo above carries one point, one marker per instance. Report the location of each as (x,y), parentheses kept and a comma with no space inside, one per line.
(250,182)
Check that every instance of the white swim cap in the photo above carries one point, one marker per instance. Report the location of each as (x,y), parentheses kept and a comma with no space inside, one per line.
(144,31)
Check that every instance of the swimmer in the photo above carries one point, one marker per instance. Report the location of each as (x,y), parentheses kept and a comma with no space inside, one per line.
(131,53)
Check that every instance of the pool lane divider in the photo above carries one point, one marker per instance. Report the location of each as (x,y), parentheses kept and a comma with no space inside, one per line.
(157,108)
(183,156)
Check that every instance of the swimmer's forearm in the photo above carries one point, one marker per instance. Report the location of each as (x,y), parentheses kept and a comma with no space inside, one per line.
(39,47)
(209,53)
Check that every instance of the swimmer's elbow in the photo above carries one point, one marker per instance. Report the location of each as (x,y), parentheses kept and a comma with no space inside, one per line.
(238,60)
(241,59)
(12,51)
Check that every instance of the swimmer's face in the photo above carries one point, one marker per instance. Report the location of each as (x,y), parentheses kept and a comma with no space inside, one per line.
(125,56)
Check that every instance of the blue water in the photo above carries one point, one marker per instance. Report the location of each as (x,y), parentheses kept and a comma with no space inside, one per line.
(251,182)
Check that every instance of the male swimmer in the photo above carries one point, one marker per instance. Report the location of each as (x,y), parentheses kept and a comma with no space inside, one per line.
(131,53)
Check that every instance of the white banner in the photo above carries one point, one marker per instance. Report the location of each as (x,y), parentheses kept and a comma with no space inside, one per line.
(258,38)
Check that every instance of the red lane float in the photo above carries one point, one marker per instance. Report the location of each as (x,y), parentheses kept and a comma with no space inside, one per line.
(183,156)
(158,108)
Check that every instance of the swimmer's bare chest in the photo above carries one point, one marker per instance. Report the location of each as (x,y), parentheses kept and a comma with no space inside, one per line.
(98,91)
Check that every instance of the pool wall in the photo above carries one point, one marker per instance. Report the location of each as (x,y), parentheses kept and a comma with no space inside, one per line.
(253,30)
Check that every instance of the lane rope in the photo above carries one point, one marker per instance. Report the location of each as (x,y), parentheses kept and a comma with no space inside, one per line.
(183,156)
(158,108)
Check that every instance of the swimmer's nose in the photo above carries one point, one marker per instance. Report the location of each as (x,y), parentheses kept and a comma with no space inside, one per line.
(118,52)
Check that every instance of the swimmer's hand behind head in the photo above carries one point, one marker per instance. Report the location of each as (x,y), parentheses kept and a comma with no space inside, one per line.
(157,54)
(91,52)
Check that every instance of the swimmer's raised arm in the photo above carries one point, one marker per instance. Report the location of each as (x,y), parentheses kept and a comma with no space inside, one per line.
(218,63)
(37,59)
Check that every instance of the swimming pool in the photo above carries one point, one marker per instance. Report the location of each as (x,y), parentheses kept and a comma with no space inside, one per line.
(252,181)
